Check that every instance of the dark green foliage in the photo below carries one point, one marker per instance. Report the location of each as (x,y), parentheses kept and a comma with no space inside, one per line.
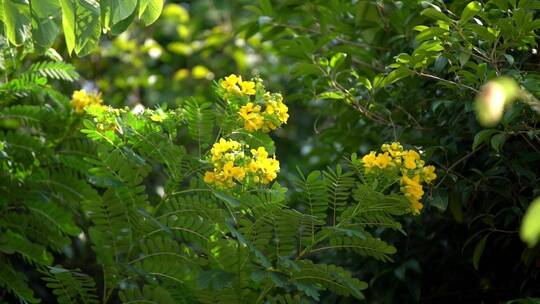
(71,286)
(370,72)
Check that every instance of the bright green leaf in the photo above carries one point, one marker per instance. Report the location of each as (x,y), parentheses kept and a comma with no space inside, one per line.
(16,17)
(81,23)
(337,60)
(150,11)
(332,95)
(121,10)
(396,75)
(470,11)
(435,14)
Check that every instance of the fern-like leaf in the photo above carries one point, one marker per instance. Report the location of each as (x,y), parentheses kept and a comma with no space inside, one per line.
(15,282)
(71,286)
(339,184)
(11,242)
(366,246)
(147,295)
(314,195)
(54,70)
(200,120)
(55,216)
(327,277)
(373,209)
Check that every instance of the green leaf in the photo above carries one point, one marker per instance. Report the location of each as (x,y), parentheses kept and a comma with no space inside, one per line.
(430,33)
(233,202)
(337,60)
(11,242)
(470,11)
(15,282)
(481,137)
(440,201)
(45,29)
(530,227)
(16,18)
(121,10)
(81,24)
(464,58)
(365,82)
(266,7)
(435,14)
(498,141)
(478,251)
(304,69)
(396,75)
(122,25)
(509,58)
(150,10)
(332,95)
(71,286)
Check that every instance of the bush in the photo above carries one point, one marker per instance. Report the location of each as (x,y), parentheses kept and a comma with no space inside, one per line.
(173,191)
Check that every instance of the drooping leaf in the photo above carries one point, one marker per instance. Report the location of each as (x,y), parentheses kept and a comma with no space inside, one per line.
(81,24)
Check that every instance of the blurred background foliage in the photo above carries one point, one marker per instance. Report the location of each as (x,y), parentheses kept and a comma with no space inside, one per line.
(357,74)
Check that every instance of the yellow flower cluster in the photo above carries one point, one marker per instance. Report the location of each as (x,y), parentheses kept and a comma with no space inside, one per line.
(232,165)
(81,99)
(274,115)
(234,85)
(411,167)
(265,111)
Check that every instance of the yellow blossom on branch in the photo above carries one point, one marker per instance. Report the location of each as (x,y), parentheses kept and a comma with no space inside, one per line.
(394,160)
(247,87)
(232,165)
(409,159)
(81,100)
(230,83)
(253,120)
(383,160)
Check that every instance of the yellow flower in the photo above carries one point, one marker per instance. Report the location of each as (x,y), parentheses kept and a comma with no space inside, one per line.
(253,166)
(229,83)
(231,80)
(283,112)
(209,177)
(260,152)
(80,100)
(269,109)
(429,174)
(250,113)
(269,168)
(369,159)
(223,146)
(248,87)
(412,187)
(416,207)
(396,146)
(264,167)
(255,123)
(230,171)
(410,157)
(383,160)
(413,191)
